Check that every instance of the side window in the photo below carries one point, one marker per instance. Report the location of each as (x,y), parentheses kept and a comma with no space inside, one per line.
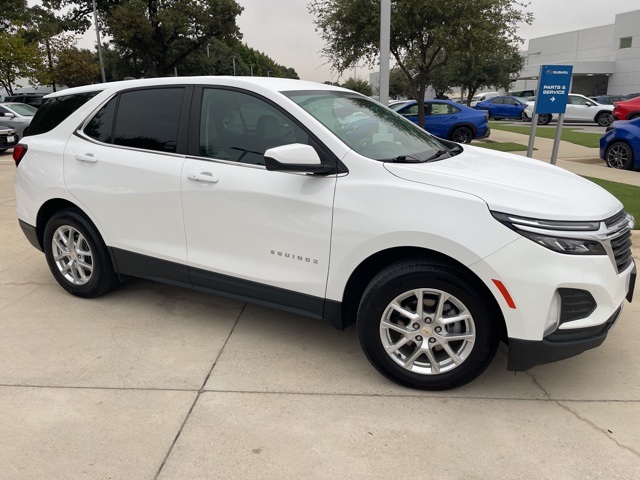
(101,125)
(439,109)
(55,110)
(412,110)
(149,119)
(453,109)
(497,101)
(240,127)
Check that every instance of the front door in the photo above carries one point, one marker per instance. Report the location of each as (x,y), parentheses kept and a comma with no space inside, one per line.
(271,229)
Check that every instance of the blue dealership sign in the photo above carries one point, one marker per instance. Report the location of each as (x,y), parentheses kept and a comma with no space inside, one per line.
(553,88)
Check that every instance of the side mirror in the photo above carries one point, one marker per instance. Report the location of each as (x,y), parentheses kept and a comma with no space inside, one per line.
(295,157)
(7,114)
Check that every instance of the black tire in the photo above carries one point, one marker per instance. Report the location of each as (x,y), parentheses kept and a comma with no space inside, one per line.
(619,155)
(85,269)
(604,119)
(524,117)
(544,119)
(438,371)
(461,135)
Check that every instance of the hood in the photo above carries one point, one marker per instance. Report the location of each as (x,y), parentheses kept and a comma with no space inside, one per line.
(516,185)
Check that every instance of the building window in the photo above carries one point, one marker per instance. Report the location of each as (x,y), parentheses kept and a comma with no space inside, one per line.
(625,42)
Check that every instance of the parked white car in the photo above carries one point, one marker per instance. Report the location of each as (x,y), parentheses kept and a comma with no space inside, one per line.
(481,97)
(322,202)
(579,109)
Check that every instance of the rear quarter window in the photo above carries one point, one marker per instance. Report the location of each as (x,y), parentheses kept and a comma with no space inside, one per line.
(55,110)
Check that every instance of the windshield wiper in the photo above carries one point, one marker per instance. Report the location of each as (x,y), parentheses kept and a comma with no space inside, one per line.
(437,155)
(455,150)
(405,159)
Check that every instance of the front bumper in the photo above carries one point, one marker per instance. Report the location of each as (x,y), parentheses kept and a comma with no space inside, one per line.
(561,344)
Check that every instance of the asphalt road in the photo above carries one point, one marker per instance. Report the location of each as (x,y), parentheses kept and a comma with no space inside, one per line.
(154,381)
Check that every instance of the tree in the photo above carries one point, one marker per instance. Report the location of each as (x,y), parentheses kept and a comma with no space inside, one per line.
(423,32)
(358,85)
(18,58)
(163,33)
(12,12)
(399,86)
(75,67)
(486,64)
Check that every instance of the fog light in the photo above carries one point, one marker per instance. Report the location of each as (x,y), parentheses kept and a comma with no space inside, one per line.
(553,317)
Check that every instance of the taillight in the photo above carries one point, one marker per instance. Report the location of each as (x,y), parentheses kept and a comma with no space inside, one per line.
(18,153)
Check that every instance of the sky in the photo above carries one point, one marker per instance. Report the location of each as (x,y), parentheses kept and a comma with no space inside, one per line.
(284,30)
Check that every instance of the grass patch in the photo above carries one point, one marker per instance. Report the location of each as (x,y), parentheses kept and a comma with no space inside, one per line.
(629,195)
(591,140)
(502,146)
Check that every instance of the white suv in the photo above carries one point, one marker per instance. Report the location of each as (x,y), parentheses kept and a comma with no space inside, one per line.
(579,109)
(322,202)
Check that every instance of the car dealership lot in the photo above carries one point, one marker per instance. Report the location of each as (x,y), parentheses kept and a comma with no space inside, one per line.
(153,381)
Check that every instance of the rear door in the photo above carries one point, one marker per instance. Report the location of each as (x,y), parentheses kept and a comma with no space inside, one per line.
(124,168)
(440,118)
(580,109)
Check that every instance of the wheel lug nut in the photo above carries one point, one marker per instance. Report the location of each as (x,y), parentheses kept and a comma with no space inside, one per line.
(416,326)
(432,340)
(427,320)
(438,329)
(419,338)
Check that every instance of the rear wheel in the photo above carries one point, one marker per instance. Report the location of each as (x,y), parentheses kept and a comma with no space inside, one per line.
(462,135)
(422,324)
(544,119)
(619,155)
(524,117)
(77,255)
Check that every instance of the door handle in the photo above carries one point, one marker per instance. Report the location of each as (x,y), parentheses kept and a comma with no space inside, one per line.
(87,157)
(202,177)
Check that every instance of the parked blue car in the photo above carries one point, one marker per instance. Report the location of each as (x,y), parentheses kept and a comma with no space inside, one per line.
(448,120)
(503,107)
(620,145)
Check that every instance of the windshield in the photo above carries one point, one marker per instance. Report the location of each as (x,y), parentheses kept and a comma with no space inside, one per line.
(23,109)
(366,126)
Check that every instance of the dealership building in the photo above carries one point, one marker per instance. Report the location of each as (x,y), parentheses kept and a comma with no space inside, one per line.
(606,60)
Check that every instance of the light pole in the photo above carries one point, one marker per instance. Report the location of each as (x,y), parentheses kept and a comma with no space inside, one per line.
(385,48)
(252,70)
(234,65)
(208,45)
(95,21)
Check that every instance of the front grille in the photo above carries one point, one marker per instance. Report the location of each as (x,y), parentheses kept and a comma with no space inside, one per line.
(621,246)
(618,217)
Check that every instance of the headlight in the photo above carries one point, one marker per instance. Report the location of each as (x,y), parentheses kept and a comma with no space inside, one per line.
(563,237)
(571,246)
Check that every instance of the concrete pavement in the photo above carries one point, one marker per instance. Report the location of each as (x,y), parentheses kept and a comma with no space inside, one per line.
(157,382)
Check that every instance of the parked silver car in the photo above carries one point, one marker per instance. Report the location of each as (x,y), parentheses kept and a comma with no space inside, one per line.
(17,115)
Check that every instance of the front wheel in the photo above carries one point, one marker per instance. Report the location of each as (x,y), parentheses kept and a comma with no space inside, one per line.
(77,255)
(423,324)
(604,119)
(619,155)
(524,117)
(462,135)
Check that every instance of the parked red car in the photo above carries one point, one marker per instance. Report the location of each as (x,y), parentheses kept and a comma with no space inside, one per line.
(627,110)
